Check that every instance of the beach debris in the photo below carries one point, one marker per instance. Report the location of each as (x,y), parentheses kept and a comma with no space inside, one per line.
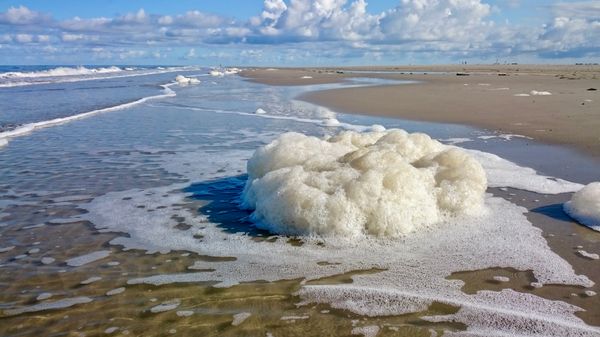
(521,95)
(463,74)
(592,89)
(306,77)
(590,293)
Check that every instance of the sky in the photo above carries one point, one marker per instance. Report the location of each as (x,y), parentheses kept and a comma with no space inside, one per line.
(298,32)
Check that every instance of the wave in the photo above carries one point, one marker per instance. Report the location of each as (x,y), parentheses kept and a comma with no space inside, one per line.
(76,74)
(61,71)
(30,127)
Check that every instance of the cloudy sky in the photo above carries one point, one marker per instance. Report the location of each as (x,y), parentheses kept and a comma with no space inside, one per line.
(298,32)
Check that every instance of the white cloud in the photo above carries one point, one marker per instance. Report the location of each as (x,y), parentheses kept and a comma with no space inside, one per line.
(165,20)
(43,38)
(21,16)
(582,9)
(23,38)
(72,37)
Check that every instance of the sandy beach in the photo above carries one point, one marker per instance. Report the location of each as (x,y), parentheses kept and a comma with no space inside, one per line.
(552,104)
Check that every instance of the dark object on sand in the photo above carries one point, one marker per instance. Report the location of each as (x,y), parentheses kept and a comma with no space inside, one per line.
(592,89)
(462,74)
(502,74)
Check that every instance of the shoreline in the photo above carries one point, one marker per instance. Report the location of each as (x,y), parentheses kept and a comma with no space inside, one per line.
(483,97)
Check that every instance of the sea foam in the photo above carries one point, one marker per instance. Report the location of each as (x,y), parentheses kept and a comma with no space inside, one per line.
(584,206)
(386,183)
(61,71)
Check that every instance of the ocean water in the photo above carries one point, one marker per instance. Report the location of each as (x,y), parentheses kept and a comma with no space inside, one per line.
(128,221)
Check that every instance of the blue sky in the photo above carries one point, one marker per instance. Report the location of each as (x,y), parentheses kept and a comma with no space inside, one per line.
(298,32)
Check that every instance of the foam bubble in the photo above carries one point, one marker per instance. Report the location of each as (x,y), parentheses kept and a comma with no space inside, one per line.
(584,206)
(382,183)
(260,111)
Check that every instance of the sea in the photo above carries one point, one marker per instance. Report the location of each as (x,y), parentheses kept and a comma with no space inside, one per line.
(120,214)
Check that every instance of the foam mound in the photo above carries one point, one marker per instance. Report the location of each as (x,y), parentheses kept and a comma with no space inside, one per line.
(584,206)
(383,183)
(182,80)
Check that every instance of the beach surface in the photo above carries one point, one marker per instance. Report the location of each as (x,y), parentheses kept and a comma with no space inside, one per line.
(553,104)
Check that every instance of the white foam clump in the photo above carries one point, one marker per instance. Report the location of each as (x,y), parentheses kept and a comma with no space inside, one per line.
(539,93)
(260,111)
(584,206)
(382,183)
(223,72)
(306,77)
(3,142)
(182,80)
(591,256)
(521,95)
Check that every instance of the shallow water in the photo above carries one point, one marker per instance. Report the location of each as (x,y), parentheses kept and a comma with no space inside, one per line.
(155,183)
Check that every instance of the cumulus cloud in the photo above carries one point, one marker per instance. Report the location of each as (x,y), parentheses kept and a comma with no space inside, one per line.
(23,38)
(21,16)
(343,28)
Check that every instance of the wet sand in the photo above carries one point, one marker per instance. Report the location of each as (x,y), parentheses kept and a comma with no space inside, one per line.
(485,98)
